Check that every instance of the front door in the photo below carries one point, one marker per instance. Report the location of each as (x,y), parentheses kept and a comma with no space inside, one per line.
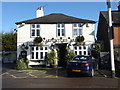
(61,54)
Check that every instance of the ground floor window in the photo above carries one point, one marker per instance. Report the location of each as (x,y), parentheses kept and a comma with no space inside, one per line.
(39,53)
(81,50)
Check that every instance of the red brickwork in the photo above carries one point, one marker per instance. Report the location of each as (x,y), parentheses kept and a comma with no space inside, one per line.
(116,39)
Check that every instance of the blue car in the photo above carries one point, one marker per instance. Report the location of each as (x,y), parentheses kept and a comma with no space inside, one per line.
(80,64)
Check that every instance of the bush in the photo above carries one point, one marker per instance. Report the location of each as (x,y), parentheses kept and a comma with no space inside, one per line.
(69,56)
(38,40)
(22,64)
(52,57)
(80,39)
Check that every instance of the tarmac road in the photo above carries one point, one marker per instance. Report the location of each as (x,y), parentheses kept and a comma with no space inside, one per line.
(79,82)
(39,79)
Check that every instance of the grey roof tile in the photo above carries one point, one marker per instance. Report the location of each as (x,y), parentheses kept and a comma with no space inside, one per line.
(56,18)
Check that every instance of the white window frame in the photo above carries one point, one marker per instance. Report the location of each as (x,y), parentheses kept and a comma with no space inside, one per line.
(60,28)
(39,52)
(78,28)
(35,30)
(78,50)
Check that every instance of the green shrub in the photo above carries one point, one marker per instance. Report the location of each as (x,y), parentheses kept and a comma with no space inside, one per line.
(38,40)
(22,64)
(69,56)
(80,39)
(52,57)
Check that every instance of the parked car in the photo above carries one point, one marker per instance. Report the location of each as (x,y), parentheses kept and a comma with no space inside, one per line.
(81,64)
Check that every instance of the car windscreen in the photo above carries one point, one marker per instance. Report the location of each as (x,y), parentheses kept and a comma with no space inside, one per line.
(81,58)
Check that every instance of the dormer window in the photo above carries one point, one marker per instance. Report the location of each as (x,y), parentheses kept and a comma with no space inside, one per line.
(35,30)
(60,30)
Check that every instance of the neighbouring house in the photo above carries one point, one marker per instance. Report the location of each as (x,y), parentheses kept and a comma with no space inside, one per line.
(102,33)
(57,31)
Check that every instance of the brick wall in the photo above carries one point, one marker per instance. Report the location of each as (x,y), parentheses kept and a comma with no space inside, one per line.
(116,34)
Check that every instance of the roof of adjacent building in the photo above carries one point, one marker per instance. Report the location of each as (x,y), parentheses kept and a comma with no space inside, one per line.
(115,16)
(55,18)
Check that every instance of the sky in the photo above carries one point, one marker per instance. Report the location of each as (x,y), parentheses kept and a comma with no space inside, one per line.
(19,11)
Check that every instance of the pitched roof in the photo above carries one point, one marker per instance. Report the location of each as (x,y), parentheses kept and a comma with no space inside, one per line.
(115,16)
(54,19)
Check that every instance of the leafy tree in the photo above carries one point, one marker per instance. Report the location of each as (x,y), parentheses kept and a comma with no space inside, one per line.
(9,41)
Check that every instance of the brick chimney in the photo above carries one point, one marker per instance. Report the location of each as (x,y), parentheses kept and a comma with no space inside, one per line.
(39,12)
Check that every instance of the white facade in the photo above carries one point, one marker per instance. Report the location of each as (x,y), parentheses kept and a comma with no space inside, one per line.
(52,34)
(49,31)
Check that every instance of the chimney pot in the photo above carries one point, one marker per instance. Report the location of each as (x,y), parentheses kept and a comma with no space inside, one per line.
(39,12)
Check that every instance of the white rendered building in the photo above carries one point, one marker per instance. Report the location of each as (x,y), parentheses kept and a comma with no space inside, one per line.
(57,30)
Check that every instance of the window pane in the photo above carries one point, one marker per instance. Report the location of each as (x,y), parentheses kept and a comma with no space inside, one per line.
(33,32)
(84,52)
(38,32)
(87,25)
(84,47)
(88,52)
(80,47)
(36,55)
(80,53)
(41,48)
(41,55)
(32,55)
(75,31)
(75,25)
(75,48)
(80,31)
(33,26)
(58,25)
(38,26)
(45,55)
(58,32)
(36,48)
(76,52)
(32,48)
(63,32)
(45,48)
(79,25)
(63,25)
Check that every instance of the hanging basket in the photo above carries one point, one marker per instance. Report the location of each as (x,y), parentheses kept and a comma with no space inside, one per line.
(38,40)
(80,40)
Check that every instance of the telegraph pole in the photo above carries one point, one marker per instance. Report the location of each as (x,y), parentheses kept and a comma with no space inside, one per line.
(110,32)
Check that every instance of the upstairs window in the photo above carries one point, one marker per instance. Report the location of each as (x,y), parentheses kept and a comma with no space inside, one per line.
(60,30)
(77,29)
(35,30)
(87,25)
(77,32)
